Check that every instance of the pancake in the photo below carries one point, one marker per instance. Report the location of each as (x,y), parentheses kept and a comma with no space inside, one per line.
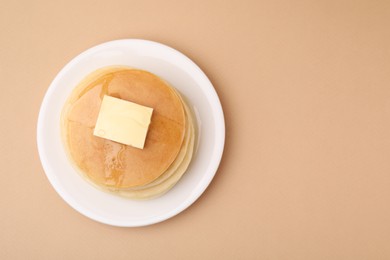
(186,146)
(166,181)
(167,184)
(113,165)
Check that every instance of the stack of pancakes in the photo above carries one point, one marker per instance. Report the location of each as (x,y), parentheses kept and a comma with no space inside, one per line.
(122,169)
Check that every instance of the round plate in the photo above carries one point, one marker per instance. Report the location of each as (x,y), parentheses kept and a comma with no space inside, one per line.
(180,72)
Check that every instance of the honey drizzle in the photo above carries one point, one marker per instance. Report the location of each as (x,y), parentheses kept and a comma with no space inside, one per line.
(113,151)
(113,163)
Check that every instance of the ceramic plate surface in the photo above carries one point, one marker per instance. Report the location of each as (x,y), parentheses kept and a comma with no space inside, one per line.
(181,73)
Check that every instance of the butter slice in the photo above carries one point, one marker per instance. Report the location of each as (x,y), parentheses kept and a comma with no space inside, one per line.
(123,121)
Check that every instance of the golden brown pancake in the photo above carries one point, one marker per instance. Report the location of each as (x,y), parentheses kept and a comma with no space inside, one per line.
(111,164)
(169,178)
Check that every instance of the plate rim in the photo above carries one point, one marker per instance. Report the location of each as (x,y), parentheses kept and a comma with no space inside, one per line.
(201,185)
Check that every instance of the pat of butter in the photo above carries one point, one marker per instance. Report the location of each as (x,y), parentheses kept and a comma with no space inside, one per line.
(123,121)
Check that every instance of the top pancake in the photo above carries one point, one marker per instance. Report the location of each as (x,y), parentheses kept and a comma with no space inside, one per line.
(112,164)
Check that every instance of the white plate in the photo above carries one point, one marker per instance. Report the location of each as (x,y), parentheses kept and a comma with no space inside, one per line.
(183,74)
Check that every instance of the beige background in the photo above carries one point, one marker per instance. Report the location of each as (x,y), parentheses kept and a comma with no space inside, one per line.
(305,87)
